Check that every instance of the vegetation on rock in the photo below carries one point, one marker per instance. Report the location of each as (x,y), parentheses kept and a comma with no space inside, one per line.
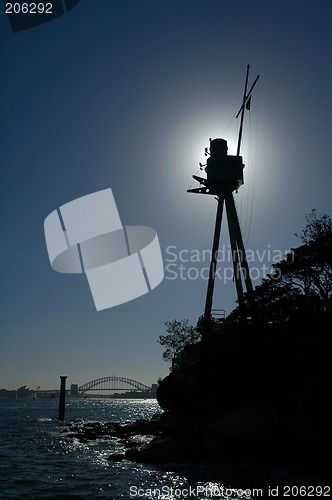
(271,371)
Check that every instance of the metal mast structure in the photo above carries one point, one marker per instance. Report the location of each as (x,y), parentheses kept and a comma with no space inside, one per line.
(224,174)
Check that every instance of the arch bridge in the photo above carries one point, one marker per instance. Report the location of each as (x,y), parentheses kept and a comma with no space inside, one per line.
(114,384)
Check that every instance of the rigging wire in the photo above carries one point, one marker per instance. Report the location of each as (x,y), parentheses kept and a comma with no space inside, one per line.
(253,162)
(229,125)
(245,201)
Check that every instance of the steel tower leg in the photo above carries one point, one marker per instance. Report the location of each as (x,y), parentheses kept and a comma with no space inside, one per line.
(230,207)
(213,264)
(235,255)
(240,264)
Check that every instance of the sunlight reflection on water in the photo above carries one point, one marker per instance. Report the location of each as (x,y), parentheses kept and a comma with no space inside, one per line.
(37,461)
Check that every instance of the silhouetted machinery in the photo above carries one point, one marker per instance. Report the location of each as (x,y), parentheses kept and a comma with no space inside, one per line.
(223,171)
(224,174)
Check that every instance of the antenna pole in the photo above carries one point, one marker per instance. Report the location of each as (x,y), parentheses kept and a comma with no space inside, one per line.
(242,113)
(248,95)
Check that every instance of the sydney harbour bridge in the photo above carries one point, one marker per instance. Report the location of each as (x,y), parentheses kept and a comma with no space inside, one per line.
(111,384)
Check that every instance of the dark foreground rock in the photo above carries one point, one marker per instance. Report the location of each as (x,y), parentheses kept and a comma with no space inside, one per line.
(236,445)
(249,434)
(241,444)
(252,392)
(116,457)
(128,434)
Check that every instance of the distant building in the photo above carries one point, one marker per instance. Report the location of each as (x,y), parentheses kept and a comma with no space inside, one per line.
(154,389)
(74,391)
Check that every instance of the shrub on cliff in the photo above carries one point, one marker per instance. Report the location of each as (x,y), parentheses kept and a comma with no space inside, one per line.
(284,347)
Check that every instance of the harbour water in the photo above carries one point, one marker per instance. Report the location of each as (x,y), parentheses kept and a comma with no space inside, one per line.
(38,461)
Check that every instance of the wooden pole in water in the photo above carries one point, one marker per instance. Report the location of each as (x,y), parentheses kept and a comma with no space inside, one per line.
(62,399)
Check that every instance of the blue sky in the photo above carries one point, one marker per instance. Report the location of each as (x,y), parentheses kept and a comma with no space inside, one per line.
(126,95)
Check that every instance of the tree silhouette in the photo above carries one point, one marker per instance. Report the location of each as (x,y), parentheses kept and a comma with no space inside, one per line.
(299,285)
(179,335)
(317,227)
(308,268)
(270,373)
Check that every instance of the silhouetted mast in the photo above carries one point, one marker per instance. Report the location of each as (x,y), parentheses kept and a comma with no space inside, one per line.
(246,100)
(242,113)
(224,174)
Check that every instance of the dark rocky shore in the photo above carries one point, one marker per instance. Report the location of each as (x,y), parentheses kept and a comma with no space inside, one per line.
(250,394)
(251,401)
(209,450)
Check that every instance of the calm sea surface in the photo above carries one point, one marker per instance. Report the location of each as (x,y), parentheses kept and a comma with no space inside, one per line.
(38,461)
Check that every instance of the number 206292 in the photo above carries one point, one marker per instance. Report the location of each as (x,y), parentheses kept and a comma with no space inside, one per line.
(29,8)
